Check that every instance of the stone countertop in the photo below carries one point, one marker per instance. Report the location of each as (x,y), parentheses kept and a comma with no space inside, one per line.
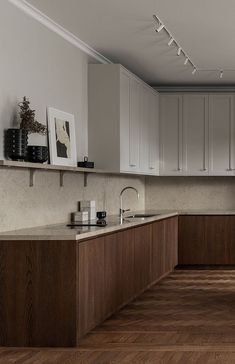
(63,232)
(206,212)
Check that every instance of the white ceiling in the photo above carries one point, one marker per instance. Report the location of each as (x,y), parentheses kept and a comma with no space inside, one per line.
(123,31)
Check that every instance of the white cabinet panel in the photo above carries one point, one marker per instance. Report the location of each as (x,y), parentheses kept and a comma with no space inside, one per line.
(149,132)
(195,134)
(171,135)
(153,133)
(124,120)
(144,132)
(134,125)
(221,130)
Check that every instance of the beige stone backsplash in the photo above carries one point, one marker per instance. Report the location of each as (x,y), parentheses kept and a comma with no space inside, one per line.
(47,203)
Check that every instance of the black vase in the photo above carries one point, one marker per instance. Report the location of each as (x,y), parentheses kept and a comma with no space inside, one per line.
(16,143)
(37,154)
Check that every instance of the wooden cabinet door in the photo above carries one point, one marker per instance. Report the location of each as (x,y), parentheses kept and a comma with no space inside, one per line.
(164,247)
(221,134)
(171,243)
(142,257)
(91,284)
(158,250)
(206,240)
(195,134)
(192,240)
(171,135)
(111,273)
(125,266)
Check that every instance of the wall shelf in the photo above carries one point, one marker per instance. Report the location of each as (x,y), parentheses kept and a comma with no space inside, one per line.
(33,167)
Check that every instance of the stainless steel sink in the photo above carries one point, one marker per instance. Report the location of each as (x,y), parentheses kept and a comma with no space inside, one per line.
(140,216)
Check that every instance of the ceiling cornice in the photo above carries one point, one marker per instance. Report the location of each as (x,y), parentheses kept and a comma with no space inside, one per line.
(58,29)
(194,88)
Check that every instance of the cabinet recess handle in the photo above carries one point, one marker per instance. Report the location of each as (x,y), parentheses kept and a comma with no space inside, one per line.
(151,167)
(231,169)
(132,165)
(204,169)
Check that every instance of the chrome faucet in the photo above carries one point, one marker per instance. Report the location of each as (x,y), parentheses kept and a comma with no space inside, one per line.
(121,210)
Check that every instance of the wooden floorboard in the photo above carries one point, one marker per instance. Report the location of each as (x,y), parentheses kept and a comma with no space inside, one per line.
(188,317)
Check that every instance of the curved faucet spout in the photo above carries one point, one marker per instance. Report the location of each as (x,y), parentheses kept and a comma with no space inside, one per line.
(121,211)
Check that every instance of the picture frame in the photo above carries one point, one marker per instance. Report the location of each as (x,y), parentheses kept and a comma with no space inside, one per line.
(61,137)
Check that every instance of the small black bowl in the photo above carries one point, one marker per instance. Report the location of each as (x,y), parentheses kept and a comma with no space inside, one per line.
(37,154)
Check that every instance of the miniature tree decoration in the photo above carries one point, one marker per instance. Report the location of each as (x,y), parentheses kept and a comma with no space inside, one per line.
(28,121)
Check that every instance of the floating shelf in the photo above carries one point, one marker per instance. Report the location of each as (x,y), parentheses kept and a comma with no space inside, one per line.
(48,167)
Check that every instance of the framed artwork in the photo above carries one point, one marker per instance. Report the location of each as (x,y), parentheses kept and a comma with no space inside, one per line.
(62,140)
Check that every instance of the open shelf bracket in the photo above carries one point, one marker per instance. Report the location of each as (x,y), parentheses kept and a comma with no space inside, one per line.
(85,179)
(31,177)
(62,173)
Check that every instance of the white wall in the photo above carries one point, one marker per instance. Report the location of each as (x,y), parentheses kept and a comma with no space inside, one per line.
(37,63)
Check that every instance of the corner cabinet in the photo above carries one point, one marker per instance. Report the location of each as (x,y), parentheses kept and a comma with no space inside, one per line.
(123,121)
(197,134)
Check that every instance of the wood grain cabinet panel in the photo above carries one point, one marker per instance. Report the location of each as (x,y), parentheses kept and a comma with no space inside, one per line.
(158,250)
(207,240)
(142,257)
(164,247)
(171,243)
(91,284)
(119,269)
(37,293)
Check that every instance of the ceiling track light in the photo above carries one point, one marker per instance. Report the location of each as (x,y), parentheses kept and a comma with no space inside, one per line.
(179,51)
(170,41)
(159,24)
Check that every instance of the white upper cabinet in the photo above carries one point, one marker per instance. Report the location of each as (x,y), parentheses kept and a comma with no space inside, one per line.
(195,134)
(171,163)
(221,134)
(123,121)
(149,132)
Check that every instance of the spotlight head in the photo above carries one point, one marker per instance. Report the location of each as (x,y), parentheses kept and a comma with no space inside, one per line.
(170,41)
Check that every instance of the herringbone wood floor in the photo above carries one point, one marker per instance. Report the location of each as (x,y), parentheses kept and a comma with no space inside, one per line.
(189,317)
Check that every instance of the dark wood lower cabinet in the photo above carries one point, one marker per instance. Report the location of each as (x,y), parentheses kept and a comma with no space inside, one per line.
(118,269)
(142,257)
(164,247)
(206,240)
(54,292)
(37,293)
(91,309)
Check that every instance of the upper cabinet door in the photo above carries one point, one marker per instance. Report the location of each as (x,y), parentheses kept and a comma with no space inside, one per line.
(221,134)
(130,117)
(134,125)
(149,132)
(171,135)
(125,82)
(195,134)
(153,133)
